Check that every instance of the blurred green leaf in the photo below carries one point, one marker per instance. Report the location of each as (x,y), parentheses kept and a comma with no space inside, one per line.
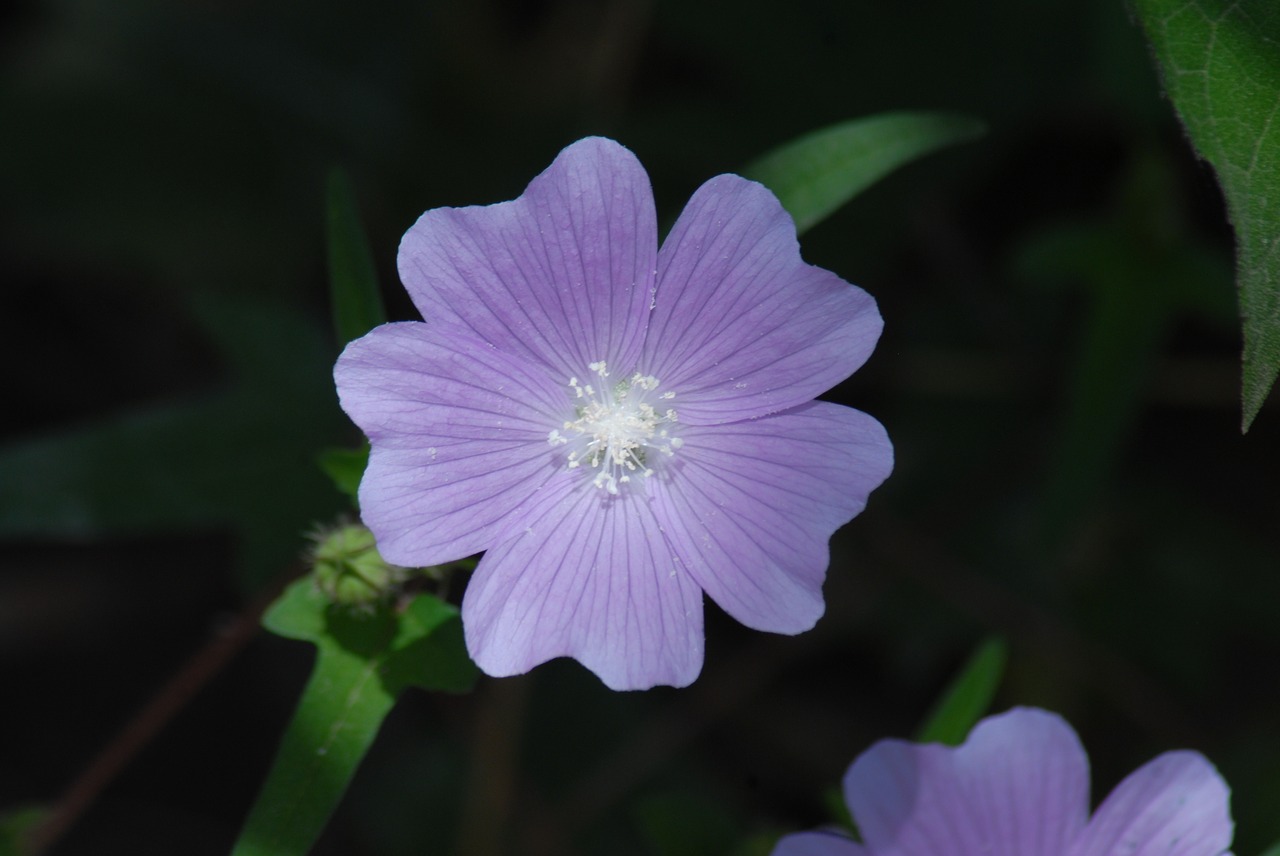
(968,697)
(1142,269)
(684,823)
(838,809)
(353,280)
(238,456)
(1273,850)
(363,662)
(16,824)
(428,650)
(1221,67)
(759,844)
(815,174)
(345,467)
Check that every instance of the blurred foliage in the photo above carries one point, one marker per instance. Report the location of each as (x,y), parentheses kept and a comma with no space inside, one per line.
(353,279)
(231,456)
(1142,274)
(1059,373)
(685,824)
(345,467)
(16,825)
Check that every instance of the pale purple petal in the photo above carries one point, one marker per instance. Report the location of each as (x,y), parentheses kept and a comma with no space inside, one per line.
(741,326)
(562,275)
(817,844)
(590,578)
(1175,805)
(750,506)
(1019,786)
(459,434)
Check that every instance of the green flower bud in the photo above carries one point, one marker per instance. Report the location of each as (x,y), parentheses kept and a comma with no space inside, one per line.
(348,569)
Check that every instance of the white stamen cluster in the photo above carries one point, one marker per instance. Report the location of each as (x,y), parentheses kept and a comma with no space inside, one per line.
(616,428)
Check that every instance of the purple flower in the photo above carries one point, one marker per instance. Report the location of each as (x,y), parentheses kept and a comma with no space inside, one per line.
(1019,786)
(620,428)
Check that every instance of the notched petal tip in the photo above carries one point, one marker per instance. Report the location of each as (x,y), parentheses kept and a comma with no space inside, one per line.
(1175,805)
(742,326)
(458,434)
(756,503)
(1022,774)
(591,580)
(561,275)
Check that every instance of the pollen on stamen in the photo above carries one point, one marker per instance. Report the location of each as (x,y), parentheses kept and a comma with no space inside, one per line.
(616,430)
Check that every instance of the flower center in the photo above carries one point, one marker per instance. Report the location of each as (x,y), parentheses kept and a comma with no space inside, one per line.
(617,429)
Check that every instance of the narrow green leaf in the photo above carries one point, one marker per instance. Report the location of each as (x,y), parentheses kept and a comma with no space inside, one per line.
(364,661)
(1221,67)
(815,174)
(968,696)
(1273,850)
(353,280)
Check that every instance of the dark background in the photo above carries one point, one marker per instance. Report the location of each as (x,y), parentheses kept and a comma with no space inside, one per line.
(1059,373)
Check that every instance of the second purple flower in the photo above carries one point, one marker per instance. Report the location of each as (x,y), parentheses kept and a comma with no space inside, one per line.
(620,428)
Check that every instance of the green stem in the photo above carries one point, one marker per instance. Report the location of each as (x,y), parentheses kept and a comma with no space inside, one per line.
(336,721)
